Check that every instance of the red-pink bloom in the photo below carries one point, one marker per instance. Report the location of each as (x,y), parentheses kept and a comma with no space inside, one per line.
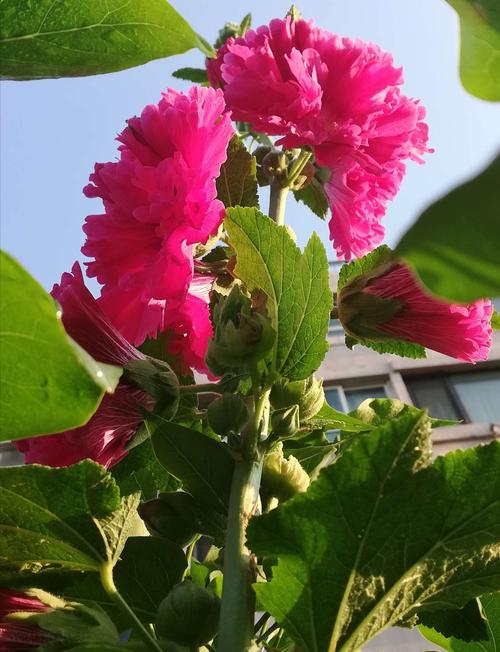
(160,201)
(104,436)
(19,636)
(341,97)
(462,332)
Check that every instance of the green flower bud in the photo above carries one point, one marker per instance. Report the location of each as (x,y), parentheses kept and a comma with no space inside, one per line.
(308,394)
(227,414)
(189,615)
(286,421)
(157,379)
(171,516)
(283,478)
(242,335)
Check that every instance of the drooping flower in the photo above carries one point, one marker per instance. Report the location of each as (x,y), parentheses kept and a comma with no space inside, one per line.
(339,96)
(160,201)
(392,304)
(104,436)
(17,636)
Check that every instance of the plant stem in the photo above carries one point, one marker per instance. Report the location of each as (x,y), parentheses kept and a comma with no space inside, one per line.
(298,166)
(108,585)
(277,201)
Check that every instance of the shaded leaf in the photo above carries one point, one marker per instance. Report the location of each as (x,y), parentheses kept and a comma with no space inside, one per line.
(69,38)
(296,284)
(237,182)
(196,75)
(453,246)
(314,197)
(380,535)
(466,623)
(41,367)
(330,419)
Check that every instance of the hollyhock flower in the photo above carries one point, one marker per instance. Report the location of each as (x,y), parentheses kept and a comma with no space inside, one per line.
(159,201)
(15,635)
(339,96)
(104,436)
(393,304)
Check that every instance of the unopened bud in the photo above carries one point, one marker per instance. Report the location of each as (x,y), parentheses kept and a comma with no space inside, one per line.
(283,478)
(171,516)
(189,615)
(157,379)
(227,414)
(308,394)
(286,421)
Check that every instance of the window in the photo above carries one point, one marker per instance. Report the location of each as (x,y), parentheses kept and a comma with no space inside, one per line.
(335,328)
(472,397)
(346,399)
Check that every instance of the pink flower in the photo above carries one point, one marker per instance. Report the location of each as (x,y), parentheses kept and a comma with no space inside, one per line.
(19,636)
(341,97)
(413,315)
(159,201)
(104,436)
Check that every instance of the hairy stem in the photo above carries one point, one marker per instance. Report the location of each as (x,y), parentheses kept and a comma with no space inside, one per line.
(277,201)
(108,585)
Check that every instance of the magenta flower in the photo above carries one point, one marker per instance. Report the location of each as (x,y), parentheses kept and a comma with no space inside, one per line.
(160,201)
(104,436)
(18,636)
(341,97)
(413,315)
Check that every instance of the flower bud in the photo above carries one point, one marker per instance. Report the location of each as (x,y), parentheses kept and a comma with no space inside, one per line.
(275,164)
(242,335)
(189,615)
(308,394)
(156,378)
(171,516)
(227,414)
(286,421)
(283,478)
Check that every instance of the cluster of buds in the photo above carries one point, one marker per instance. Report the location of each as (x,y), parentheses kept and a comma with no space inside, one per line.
(307,395)
(274,164)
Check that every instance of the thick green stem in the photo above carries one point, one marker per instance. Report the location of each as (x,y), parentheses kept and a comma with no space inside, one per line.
(110,588)
(277,201)
(298,166)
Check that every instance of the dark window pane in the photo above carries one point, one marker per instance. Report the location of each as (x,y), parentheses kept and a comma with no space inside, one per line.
(335,328)
(333,398)
(431,393)
(479,393)
(356,396)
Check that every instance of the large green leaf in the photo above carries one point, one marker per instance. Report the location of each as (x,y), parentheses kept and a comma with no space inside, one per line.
(453,245)
(296,284)
(490,605)
(330,419)
(61,519)
(47,383)
(380,536)
(70,38)
(480,46)
(204,466)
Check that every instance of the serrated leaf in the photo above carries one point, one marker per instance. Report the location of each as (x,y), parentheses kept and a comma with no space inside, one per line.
(376,258)
(296,284)
(70,38)
(196,75)
(61,519)
(41,367)
(314,197)
(490,606)
(204,466)
(380,535)
(237,182)
(453,246)
(330,419)
(466,623)
(479,47)
(396,347)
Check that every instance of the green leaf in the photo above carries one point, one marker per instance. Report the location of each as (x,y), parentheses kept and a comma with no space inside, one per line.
(47,383)
(61,519)
(237,182)
(70,38)
(204,466)
(396,347)
(453,246)
(490,605)
(314,197)
(495,321)
(196,75)
(296,284)
(479,47)
(330,419)
(466,623)
(381,535)
(376,258)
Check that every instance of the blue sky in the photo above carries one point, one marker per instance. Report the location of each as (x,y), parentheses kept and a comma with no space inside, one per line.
(54,130)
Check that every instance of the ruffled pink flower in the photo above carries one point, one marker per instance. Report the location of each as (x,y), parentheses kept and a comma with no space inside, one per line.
(104,436)
(462,332)
(160,201)
(341,97)
(15,635)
